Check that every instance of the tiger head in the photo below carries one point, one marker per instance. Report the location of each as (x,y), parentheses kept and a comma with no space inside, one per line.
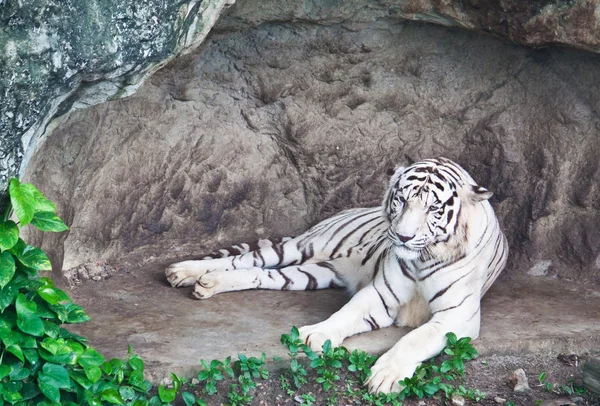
(423,206)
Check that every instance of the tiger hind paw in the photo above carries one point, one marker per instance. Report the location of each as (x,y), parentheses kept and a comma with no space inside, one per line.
(184,273)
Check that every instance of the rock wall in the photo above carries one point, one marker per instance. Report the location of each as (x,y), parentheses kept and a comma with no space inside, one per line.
(266,130)
(58,56)
(61,55)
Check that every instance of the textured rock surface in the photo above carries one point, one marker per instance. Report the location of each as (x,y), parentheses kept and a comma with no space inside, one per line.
(267,130)
(536,23)
(58,55)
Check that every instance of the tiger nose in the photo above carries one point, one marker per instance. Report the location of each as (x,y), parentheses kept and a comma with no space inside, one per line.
(405,238)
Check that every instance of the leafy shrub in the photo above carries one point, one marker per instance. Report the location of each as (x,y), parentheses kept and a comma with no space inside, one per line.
(42,363)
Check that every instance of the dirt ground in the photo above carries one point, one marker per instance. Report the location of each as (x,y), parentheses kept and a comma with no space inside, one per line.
(489,374)
(526,323)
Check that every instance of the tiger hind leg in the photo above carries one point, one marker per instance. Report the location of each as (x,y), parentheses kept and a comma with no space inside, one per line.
(298,277)
(265,255)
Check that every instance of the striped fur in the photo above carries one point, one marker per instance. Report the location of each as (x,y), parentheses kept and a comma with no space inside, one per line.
(423,259)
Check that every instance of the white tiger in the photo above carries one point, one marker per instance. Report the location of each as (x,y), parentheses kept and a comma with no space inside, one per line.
(424,259)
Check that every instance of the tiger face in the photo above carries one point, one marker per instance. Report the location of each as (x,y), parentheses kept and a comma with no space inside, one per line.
(423,204)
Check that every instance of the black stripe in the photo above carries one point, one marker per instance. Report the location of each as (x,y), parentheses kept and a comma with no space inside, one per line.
(377,266)
(387,309)
(278,248)
(331,267)
(369,230)
(307,253)
(441,266)
(288,281)
(343,240)
(387,284)
(441,292)
(312,281)
(473,314)
(453,307)
(403,269)
(373,249)
(449,216)
(369,323)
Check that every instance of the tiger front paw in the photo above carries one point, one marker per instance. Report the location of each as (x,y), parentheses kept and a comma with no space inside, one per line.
(316,335)
(387,373)
(184,273)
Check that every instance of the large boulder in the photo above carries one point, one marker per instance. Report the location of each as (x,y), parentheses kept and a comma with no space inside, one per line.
(266,130)
(58,56)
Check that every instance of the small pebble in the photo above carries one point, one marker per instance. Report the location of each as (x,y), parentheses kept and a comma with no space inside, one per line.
(499,400)
(457,400)
(96,278)
(520,381)
(195,381)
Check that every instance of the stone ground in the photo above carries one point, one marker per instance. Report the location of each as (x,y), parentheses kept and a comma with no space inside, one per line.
(172,332)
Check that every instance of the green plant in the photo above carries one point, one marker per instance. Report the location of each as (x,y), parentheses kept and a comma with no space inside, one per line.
(569,389)
(238,397)
(458,351)
(382,399)
(213,373)
(294,344)
(307,399)
(285,385)
(328,364)
(429,379)
(168,395)
(41,363)
(250,369)
(361,362)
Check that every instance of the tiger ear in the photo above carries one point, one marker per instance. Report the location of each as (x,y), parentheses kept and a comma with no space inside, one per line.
(479,194)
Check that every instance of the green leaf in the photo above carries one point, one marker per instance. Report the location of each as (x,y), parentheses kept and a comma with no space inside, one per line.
(81,379)
(136,363)
(16,351)
(8,295)
(127,392)
(451,338)
(56,375)
(166,395)
(50,391)
(32,325)
(91,358)
(32,356)
(4,371)
(22,200)
(25,308)
(112,396)
(93,373)
(7,268)
(35,258)
(41,202)
(51,329)
(188,398)
(9,235)
(76,314)
(48,221)
(53,295)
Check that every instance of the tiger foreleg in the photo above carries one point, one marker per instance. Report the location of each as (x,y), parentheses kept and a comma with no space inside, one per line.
(298,277)
(424,342)
(366,311)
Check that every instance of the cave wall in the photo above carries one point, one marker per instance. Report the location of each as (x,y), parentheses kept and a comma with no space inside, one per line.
(265,130)
(58,56)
